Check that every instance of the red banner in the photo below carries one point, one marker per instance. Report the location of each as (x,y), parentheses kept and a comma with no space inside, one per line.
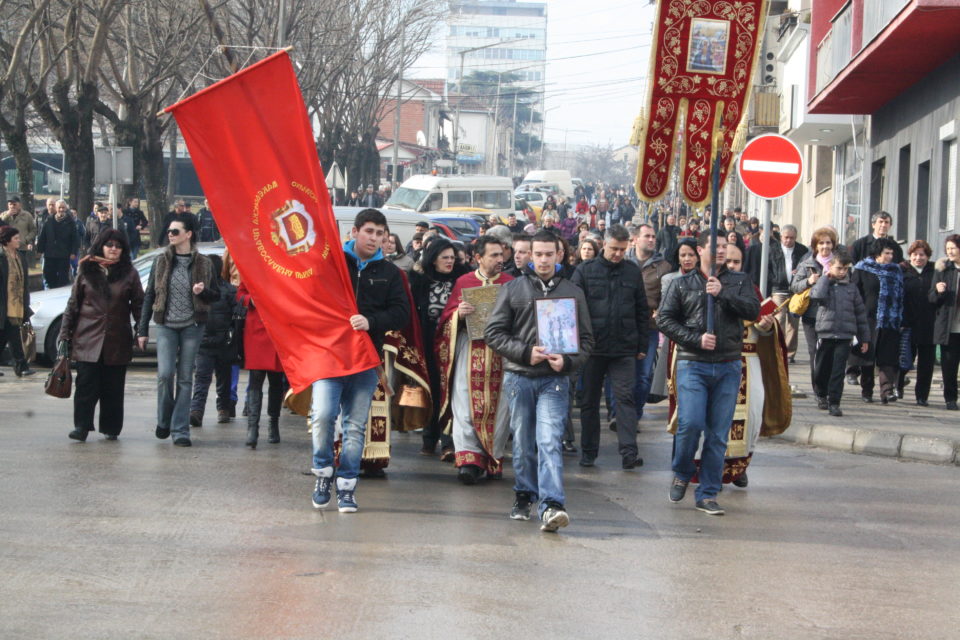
(701,70)
(251,143)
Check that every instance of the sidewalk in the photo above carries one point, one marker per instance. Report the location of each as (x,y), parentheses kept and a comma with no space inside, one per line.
(898,430)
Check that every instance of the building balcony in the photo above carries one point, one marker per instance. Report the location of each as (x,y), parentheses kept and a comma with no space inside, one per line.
(903,40)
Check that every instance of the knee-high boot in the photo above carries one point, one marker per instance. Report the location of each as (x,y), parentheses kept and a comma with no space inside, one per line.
(274,430)
(254,403)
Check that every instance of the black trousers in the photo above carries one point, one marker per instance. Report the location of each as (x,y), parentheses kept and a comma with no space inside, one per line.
(10,335)
(926,356)
(99,383)
(208,364)
(622,371)
(255,394)
(829,363)
(56,272)
(949,362)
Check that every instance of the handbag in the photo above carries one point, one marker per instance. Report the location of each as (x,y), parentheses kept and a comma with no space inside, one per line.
(29,339)
(414,396)
(800,302)
(59,380)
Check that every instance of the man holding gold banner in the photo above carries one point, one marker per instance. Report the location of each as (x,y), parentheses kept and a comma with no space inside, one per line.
(470,372)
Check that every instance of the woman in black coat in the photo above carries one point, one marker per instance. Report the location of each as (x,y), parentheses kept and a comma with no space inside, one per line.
(918,315)
(945,294)
(431,283)
(14,299)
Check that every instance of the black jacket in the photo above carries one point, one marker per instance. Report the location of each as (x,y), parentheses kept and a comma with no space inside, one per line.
(381,296)
(617,302)
(512,326)
(946,302)
(860,249)
(667,241)
(220,320)
(779,276)
(918,311)
(683,314)
(59,239)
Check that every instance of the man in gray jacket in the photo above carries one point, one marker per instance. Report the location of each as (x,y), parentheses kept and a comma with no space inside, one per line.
(541,327)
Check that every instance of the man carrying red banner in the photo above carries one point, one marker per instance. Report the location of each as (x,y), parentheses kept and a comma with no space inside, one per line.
(471,375)
(383,306)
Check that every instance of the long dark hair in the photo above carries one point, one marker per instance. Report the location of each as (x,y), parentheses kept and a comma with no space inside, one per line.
(437,246)
(398,247)
(115,235)
(686,241)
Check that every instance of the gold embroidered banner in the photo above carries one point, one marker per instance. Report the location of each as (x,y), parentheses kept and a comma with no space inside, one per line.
(700,71)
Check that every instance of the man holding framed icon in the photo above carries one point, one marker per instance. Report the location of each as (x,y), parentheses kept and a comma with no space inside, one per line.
(541,327)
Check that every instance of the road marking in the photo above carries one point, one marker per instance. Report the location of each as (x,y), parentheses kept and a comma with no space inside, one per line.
(771,167)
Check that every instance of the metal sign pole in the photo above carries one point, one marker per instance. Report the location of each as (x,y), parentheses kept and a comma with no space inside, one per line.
(765,247)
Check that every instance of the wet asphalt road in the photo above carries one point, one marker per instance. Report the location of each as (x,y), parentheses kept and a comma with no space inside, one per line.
(138,539)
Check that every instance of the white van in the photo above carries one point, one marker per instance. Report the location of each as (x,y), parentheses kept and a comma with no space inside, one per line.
(557,179)
(425,194)
(402,223)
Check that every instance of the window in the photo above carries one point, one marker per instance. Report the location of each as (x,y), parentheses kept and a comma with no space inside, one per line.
(903,195)
(851,208)
(459,199)
(948,186)
(823,179)
(878,180)
(923,200)
(434,202)
(492,199)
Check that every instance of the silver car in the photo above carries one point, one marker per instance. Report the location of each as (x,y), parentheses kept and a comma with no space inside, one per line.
(48,305)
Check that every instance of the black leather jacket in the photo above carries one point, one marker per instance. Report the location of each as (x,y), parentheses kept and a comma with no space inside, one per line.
(683,315)
(512,327)
(617,301)
(381,296)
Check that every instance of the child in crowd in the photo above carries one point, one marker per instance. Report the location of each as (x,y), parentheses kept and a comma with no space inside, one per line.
(841,316)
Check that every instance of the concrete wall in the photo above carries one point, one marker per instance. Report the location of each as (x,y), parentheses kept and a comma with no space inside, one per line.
(914,118)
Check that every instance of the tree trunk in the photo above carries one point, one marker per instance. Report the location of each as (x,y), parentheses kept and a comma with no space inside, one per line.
(129,133)
(154,177)
(15,136)
(172,167)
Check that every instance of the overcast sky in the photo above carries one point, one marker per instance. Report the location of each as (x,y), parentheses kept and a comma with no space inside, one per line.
(597,63)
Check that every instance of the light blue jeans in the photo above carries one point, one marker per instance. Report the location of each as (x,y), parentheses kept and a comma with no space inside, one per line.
(707,398)
(350,398)
(538,411)
(176,356)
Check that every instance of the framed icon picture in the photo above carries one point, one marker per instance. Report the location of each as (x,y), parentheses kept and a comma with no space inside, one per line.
(557,327)
(707,52)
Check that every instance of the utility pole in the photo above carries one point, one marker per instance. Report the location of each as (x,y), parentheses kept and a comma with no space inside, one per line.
(496,129)
(513,133)
(396,116)
(281,32)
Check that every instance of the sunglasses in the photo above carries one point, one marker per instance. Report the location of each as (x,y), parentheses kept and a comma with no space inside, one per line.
(112,245)
(173,232)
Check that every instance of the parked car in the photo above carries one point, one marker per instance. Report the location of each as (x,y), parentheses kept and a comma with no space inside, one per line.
(464,228)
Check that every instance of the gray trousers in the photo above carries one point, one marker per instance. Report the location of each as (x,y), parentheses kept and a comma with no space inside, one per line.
(622,371)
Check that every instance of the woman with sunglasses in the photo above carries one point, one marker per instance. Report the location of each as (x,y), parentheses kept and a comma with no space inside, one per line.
(96,332)
(181,288)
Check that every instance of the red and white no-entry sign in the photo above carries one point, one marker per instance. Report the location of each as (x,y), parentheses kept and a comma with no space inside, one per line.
(770,166)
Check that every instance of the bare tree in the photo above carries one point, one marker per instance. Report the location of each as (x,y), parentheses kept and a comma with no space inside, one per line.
(72,37)
(154,45)
(17,56)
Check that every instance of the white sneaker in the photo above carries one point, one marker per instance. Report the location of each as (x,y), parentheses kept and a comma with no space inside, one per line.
(554,518)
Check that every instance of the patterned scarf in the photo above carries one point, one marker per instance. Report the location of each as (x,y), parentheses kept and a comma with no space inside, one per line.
(15,285)
(890,301)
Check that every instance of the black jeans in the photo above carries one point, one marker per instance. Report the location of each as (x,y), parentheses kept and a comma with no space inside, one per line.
(56,272)
(99,383)
(949,362)
(433,432)
(830,360)
(207,365)
(926,356)
(622,371)
(10,335)
(810,336)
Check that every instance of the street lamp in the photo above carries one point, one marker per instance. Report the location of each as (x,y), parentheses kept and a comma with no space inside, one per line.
(456,121)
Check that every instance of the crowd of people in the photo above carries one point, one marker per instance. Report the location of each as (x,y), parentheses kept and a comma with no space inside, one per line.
(594,301)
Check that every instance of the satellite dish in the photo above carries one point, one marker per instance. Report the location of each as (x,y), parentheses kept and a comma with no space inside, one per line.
(421,139)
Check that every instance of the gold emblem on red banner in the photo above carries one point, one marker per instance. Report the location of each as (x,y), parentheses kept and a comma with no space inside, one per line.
(291,228)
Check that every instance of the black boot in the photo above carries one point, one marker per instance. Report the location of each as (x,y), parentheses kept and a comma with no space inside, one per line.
(274,430)
(78,434)
(254,401)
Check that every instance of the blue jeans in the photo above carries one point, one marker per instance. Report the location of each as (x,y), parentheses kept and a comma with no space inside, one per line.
(645,369)
(706,402)
(176,355)
(538,411)
(350,398)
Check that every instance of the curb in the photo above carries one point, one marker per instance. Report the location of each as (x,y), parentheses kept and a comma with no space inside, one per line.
(874,442)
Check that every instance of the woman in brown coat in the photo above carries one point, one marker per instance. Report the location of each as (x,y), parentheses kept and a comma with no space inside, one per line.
(14,299)
(98,334)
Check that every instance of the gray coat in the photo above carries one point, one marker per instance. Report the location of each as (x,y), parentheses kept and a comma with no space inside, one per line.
(841,314)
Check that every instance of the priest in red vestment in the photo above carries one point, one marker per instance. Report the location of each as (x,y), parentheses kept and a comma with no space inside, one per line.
(471,373)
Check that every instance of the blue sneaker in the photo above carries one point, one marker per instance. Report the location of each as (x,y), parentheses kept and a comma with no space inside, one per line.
(321,493)
(346,502)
